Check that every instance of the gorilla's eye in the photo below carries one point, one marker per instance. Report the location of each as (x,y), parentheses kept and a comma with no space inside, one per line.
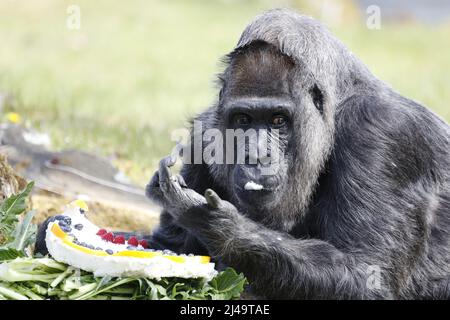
(242,119)
(279,120)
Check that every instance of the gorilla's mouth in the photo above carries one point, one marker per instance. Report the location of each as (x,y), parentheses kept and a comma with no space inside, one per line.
(252,186)
(254,193)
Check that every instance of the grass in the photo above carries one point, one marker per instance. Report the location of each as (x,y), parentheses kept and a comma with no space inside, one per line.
(136,70)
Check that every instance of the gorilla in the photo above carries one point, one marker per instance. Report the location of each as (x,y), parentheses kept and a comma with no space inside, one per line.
(359,206)
(363,189)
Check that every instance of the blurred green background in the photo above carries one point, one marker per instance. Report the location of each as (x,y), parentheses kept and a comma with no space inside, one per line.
(138,69)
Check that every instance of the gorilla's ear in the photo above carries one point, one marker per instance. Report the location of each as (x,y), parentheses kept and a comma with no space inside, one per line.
(317,97)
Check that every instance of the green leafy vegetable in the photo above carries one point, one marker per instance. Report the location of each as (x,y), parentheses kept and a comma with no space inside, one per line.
(44,278)
(227,285)
(24,233)
(16,236)
(10,254)
(15,205)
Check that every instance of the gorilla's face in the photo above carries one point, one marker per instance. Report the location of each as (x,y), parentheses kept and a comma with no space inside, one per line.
(257,106)
(264,125)
(286,134)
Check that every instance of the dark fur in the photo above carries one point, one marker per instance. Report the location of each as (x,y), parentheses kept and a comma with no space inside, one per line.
(377,192)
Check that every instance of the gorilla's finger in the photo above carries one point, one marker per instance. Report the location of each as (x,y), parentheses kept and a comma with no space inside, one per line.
(153,190)
(172,160)
(212,199)
(154,182)
(156,195)
(152,185)
(181,181)
(164,171)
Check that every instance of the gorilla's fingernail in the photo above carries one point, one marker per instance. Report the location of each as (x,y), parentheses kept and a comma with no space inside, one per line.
(173,160)
(211,198)
(181,181)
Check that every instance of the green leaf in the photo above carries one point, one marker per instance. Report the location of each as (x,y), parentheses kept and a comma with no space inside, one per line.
(9,254)
(228,284)
(16,204)
(11,293)
(24,233)
(14,235)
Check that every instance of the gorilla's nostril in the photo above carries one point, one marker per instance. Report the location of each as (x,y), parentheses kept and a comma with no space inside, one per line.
(265,160)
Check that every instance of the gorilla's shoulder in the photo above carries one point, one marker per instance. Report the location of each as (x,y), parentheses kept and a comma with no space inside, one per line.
(389,114)
(394,137)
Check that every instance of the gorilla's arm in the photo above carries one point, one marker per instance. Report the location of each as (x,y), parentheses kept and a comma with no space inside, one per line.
(171,236)
(278,265)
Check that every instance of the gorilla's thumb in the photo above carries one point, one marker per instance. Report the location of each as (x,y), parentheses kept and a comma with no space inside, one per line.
(212,199)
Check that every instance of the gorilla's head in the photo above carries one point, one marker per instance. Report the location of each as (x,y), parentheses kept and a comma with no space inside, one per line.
(274,79)
(261,94)
(256,98)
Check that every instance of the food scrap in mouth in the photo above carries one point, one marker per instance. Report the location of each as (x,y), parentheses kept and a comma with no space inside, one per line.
(252,186)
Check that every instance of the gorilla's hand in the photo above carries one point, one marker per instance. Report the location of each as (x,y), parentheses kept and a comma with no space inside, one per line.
(215,223)
(171,192)
(191,210)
